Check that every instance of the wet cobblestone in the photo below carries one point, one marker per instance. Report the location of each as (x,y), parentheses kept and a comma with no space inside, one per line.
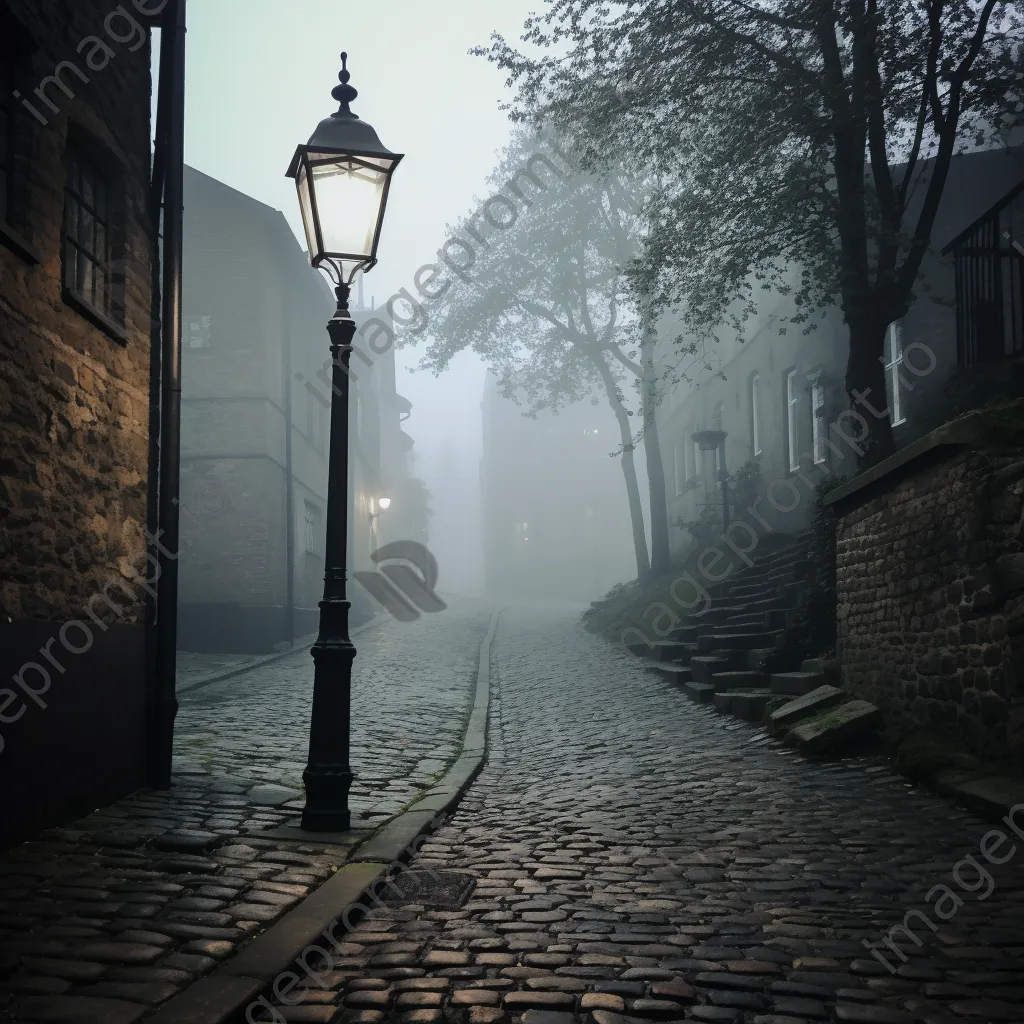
(639,857)
(102,920)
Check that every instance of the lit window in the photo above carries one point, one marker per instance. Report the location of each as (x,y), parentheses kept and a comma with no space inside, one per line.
(818,422)
(755,416)
(893,357)
(792,402)
(695,462)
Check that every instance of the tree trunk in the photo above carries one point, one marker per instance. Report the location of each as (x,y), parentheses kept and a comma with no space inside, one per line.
(865,386)
(661,556)
(636,512)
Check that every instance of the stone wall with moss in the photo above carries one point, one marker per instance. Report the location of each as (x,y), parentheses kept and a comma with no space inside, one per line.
(930,593)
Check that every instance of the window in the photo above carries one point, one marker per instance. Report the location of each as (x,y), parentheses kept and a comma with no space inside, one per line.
(695,463)
(88,262)
(893,356)
(314,530)
(792,405)
(197,332)
(679,460)
(818,424)
(522,531)
(755,416)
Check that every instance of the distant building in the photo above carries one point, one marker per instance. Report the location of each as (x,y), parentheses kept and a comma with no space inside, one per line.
(777,394)
(255,428)
(77,254)
(554,509)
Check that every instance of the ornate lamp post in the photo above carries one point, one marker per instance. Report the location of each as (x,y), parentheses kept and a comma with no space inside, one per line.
(714,441)
(342,175)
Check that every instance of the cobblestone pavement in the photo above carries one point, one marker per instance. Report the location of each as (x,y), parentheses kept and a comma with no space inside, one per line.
(105,919)
(635,853)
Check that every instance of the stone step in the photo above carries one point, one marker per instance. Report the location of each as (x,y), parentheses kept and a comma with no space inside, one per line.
(796,683)
(737,680)
(677,673)
(703,666)
(750,704)
(810,704)
(746,619)
(725,638)
(824,666)
(746,704)
(702,693)
(834,730)
(668,650)
(755,656)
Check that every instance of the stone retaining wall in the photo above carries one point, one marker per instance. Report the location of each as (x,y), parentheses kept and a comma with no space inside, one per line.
(930,588)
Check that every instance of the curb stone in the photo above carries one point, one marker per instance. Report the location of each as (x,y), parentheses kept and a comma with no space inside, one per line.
(223,995)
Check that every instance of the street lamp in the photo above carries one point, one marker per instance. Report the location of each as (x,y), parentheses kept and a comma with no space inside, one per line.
(714,441)
(342,176)
(384,503)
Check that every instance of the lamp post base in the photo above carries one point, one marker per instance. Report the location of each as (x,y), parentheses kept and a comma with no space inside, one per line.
(326,807)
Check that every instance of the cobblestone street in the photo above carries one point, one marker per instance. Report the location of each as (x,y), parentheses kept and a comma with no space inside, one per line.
(410,688)
(635,853)
(104,919)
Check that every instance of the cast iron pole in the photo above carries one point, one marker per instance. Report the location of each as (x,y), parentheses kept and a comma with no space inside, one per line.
(328,774)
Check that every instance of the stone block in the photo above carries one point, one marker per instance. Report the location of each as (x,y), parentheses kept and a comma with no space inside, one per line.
(812,703)
(835,729)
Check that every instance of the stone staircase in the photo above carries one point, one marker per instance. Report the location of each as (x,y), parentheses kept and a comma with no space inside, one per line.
(718,656)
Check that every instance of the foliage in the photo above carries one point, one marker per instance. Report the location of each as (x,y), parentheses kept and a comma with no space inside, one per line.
(706,527)
(799,146)
(745,484)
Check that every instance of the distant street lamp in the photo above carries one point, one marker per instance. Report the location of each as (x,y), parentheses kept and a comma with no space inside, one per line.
(714,441)
(342,175)
(384,503)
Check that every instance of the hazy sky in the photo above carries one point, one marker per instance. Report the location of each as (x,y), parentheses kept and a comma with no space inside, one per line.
(260,74)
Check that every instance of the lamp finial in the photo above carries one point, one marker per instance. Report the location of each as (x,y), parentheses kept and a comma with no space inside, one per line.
(344,93)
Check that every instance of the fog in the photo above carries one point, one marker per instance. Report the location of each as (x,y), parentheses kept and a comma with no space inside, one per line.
(259,80)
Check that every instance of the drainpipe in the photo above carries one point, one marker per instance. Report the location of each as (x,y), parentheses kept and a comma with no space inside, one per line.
(289,519)
(171,145)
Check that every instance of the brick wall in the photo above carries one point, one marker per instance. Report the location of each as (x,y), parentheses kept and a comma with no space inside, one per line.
(931,600)
(74,405)
(74,399)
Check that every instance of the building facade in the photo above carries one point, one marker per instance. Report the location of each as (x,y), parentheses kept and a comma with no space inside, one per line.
(780,395)
(256,390)
(77,254)
(555,515)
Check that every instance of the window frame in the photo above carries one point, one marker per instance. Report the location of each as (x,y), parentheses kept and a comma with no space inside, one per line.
(818,426)
(792,421)
(892,364)
(312,520)
(112,319)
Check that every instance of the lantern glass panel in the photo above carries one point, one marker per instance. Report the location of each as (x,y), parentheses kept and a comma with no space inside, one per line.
(349,194)
(302,182)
